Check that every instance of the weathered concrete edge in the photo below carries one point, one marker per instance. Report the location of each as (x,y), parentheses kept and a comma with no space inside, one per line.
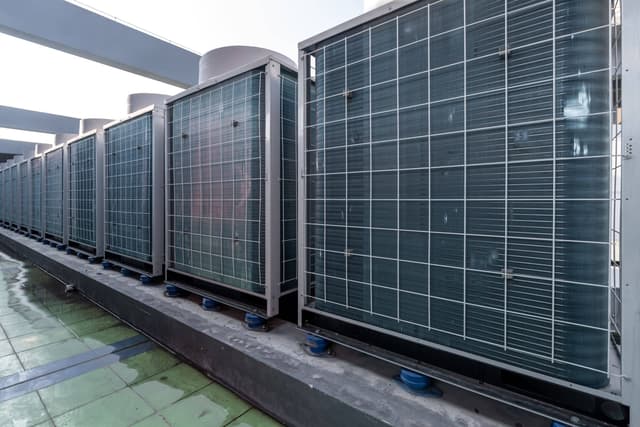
(354,390)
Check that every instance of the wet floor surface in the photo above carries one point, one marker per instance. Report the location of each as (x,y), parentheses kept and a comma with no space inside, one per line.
(66,362)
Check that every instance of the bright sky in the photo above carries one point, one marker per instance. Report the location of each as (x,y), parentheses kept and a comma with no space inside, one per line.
(43,79)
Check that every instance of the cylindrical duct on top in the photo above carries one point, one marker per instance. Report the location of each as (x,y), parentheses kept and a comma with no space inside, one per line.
(222,60)
(87,125)
(61,138)
(137,101)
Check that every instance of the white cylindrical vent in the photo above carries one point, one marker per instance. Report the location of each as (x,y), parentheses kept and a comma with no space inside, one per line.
(219,61)
(138,101)
(87,125)
(61,138)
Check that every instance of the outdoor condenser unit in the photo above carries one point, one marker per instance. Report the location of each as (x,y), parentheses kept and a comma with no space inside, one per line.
(231,233)
(3,203)
(84,175)
(15,196)
(23,172)
(134,191)
(6,183)
(455,162)
(37,177)
(54,195)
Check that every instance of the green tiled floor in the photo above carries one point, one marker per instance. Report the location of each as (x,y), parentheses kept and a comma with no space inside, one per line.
(40,324)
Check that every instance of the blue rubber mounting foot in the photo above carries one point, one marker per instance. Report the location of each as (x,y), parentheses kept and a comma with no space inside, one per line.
(45,242)
(53,244)
(94,259)
(70,251)
(171,291)
(81,255)
(254,322)
(125,272)
(62,247)
(40,239)
(107,265)
(414,380)
(316,346)
(210,305)
(418,384)
(146,280)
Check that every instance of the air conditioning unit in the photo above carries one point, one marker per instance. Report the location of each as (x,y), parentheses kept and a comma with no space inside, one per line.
(54,195)
(231,181)
(36,206)
(134,191)
(455,201)
(84,188)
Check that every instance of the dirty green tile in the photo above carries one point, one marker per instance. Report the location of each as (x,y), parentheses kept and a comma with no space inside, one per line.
(171,385)
(23,411)
(9,365)
(25,328)
(254,418)
(62,397)
(75,316)
(52,352)
(29,341)
(60,307)
(121,408)
(108,336)
(5,348)
(154,421)
(142,366)
(27,316)
(93,325)
(212,406)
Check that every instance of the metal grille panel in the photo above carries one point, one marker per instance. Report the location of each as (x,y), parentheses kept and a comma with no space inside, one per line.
(36,194)
(24,194)
(288,190)
(82,191)
(15,195)
(457,180)
(128,188)
(54,178)
(216,183)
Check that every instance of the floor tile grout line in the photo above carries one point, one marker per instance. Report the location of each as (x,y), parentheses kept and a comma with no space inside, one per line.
(247,410)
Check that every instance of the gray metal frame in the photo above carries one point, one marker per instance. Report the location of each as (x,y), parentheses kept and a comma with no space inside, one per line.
(99,202)
(630,202)
(273,293)
(629,393)
(157,185)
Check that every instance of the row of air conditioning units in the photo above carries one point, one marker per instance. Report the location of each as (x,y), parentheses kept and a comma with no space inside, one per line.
(433,175)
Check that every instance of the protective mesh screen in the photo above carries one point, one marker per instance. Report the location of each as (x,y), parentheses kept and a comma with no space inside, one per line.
(216,183)
(128,148)
(15,195)
(288,190)
(458,179)
(53,192)
(24,193)
(2,196)
(36,194)
(82,191)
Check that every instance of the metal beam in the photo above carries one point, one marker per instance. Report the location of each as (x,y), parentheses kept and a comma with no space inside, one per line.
(73,29)
(13,147)
(36,121)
